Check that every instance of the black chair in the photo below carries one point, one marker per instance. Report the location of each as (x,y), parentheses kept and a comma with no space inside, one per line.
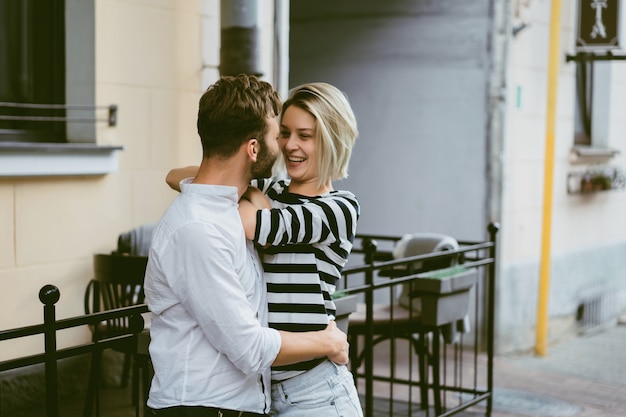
(117,282)
(402,319)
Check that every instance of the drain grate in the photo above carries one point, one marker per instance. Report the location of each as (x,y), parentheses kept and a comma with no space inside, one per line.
(598,306)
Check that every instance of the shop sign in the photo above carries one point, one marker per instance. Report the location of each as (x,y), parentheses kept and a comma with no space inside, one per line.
(598,25)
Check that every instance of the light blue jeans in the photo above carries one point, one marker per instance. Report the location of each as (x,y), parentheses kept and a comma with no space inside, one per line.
(326,390)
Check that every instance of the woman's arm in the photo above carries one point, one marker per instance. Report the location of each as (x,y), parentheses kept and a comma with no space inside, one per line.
(175,176)
(324,220)
(251,202)
(247,212)
(257,198)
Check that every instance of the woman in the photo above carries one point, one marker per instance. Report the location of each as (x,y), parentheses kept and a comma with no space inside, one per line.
(305,235)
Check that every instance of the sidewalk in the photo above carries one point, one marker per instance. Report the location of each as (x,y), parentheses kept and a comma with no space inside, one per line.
(584,376)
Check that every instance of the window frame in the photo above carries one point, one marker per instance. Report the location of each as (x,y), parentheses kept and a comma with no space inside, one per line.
(591,142)
(34,68)
(78,153)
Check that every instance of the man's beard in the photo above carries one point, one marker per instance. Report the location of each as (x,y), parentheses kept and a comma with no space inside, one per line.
(262,168)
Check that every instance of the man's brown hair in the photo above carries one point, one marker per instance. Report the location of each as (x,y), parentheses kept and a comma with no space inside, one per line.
(233,110)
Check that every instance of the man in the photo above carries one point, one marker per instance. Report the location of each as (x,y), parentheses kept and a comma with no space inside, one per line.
(210,348)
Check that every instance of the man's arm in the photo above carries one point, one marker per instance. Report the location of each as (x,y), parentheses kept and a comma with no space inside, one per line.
(212,294)
(303,346)
(175,176)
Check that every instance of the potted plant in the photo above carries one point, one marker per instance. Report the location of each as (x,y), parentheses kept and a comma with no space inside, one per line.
(441,295)
(601,179)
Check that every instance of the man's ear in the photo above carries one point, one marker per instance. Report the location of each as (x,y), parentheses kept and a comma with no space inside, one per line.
(252,149)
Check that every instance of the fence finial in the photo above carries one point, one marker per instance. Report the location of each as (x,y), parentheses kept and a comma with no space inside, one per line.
(49,294)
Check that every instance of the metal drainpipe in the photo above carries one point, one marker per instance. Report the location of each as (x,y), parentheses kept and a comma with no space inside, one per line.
(500,13)
(240,45)
(281,34)
(498,48)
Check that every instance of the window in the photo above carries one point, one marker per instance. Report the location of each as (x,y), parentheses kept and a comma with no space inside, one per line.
(594,109)
(597,37)
(47,90)
(32,64)
(584,77)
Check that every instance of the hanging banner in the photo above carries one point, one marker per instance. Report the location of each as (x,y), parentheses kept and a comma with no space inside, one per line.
(598,25)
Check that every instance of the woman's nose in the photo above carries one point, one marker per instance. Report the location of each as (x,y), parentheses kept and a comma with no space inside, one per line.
(290,143)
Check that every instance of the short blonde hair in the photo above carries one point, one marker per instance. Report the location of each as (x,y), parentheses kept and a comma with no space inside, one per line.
(335,127)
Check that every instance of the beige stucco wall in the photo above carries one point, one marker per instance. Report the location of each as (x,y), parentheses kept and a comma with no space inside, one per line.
(149,61)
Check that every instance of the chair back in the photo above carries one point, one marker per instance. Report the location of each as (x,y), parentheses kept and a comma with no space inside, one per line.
(421,244)
(117,282)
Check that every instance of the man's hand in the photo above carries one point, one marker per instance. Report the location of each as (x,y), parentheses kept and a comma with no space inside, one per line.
(303,346)
(341,352)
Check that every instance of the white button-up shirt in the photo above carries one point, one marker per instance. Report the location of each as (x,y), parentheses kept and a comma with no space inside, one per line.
(209,342)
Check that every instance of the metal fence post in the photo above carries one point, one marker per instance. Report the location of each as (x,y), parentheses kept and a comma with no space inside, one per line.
(493,231)
(369,247)
(49,295)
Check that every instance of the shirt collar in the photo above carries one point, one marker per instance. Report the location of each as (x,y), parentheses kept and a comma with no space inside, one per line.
(226,191)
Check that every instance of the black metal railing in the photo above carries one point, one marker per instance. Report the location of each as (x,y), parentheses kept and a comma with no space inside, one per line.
(455,375)
(452,375)
(49,295)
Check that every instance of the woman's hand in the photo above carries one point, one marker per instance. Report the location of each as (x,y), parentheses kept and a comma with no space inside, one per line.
(257,198)
(175,176)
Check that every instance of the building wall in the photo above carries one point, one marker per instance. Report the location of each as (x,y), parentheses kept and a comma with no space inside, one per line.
(588,231)
(153,59)
(416,76)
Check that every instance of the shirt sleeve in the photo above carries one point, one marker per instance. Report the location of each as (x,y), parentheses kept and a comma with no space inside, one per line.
(320,220)
(206,283)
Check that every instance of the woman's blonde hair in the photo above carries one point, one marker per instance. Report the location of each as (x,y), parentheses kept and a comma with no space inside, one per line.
(335,127)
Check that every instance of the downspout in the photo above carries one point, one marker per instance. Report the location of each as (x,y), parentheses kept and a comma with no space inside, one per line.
(544,268)
(498,49)
(496,102)
(281,47)
(240,48)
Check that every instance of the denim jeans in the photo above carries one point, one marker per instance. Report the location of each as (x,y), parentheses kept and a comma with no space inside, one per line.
(326,390)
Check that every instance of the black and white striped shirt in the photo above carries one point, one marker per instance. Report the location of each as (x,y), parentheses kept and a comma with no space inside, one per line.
(306,243)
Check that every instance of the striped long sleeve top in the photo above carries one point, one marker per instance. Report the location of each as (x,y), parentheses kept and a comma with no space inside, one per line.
(305,244)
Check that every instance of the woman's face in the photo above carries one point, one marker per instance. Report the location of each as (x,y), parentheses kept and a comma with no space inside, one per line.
(298,145)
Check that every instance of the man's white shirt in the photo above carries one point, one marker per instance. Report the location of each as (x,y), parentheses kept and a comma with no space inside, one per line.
(209,342)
